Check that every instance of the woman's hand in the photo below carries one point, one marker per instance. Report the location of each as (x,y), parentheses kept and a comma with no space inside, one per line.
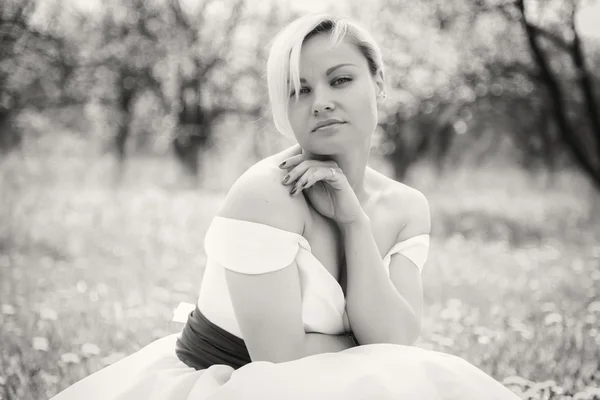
(325,186)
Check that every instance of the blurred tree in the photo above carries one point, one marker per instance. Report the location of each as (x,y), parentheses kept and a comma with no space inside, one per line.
(584,144)
(462,79)
(205,77)
(121,57)
(268,22)
(181,54)
(198,60)
(426,90)
(465,79)
(548,122)
(430,132)
(134,72)
(36,62)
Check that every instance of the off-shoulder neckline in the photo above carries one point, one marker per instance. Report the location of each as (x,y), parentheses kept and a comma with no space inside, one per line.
(299,236)
(304,243)
(302,238)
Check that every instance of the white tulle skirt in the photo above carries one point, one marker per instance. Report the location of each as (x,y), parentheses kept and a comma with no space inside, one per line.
(381,371)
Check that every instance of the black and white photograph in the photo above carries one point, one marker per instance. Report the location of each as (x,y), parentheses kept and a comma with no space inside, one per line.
(300,199)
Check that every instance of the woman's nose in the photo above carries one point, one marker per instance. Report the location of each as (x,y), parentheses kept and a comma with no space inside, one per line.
(323,102)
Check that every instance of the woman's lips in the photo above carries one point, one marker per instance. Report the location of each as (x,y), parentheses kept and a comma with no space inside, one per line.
(322,128)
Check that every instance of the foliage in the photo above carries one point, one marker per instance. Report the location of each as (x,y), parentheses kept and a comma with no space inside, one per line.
(148,73)
(35,61)
(464,78)
(464,82)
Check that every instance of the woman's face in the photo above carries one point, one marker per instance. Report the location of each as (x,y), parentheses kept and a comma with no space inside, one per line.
(335,86)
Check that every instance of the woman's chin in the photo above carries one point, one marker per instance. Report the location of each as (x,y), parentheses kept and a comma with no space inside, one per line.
(325,149)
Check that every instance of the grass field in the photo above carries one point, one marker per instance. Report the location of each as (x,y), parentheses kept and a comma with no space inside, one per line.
(89,274)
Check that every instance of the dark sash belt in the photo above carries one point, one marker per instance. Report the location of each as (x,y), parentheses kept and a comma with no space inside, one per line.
(203,344)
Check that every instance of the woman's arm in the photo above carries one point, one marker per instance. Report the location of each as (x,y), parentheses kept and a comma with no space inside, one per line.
(380,309)
(268,311)
(268,306)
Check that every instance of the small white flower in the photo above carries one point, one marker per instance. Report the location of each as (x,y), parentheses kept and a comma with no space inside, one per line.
(48,314)
(40,343)
(90,349)
(82,286)
(8,309)
(553,318)
(594,306)
(70,358)
(484,340)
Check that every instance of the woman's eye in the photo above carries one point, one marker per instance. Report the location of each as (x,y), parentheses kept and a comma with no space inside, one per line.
(339,81)
(302,91)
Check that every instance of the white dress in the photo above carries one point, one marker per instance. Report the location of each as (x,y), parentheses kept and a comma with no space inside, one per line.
(378,371)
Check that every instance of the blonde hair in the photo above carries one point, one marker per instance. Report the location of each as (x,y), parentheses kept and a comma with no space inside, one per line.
(283,64)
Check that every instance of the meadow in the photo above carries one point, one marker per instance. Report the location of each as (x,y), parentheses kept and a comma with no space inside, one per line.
(89,273)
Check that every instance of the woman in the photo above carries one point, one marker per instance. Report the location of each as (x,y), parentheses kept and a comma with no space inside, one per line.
(312,287)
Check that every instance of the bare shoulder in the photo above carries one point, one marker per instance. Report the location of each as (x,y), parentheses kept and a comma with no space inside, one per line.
(408,207)
(258,196)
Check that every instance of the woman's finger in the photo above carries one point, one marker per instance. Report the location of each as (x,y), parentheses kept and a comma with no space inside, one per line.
(307,178)
(320,174)
(291,162)
(331,174)
(296,160)
(299,170)
(312,176)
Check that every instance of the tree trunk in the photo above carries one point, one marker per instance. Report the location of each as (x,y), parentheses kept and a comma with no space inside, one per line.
(586,85)
(578,150)
(120,141)
(192,138)
(400,162)
(446,138)
(195,124)
(126,91)
(9,138)
(548,150)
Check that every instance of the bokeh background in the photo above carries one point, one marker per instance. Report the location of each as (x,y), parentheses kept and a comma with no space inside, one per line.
(123,124)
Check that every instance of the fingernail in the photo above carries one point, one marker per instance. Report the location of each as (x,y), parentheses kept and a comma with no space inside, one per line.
(282,164)
(285,178)
(293,191)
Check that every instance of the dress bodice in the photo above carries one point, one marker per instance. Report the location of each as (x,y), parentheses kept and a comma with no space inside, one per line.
(255,248)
